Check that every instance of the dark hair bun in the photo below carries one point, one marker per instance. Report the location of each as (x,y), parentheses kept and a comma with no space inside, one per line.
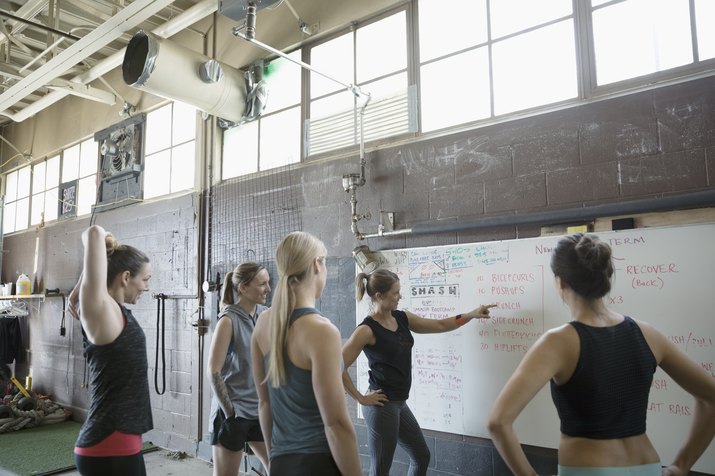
(593,254)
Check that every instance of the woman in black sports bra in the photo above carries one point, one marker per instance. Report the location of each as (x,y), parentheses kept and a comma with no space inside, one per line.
(600,367)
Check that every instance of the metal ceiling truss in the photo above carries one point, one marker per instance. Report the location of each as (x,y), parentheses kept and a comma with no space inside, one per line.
(50,49)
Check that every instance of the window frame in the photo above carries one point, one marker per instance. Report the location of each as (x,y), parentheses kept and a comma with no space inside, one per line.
(170,149)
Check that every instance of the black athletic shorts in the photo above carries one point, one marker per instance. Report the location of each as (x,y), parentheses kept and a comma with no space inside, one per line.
(234,432)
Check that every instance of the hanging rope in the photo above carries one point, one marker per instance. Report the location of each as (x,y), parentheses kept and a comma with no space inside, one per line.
(160,314)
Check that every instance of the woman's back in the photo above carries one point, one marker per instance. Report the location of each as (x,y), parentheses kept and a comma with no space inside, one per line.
(297,423)
(583,268)
(601,395)
(606,397)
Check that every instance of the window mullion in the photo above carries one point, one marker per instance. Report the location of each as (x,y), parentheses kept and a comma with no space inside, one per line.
(585,53)
(694,31)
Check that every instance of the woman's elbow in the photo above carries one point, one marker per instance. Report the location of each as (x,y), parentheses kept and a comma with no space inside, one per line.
(336,418)
(497,424)
(339,426)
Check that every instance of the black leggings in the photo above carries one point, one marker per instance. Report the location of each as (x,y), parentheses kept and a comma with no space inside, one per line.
(132,465)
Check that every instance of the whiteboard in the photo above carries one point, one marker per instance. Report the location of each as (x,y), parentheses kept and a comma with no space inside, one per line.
(663,276)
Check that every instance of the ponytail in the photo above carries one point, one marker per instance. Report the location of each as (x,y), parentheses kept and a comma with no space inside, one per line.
(281,310)
(227,290)
(379,281)
(360,283)
(294,256)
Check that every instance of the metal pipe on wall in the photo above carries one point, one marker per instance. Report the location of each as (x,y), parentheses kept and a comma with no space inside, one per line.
(169,70)
(700,199)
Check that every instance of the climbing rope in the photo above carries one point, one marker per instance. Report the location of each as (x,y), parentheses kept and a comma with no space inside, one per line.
(45,413)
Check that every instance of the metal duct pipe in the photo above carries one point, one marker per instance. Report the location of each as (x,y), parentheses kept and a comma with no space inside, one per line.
(169,70)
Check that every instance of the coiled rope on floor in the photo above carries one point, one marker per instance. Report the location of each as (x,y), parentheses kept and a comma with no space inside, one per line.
(46,412)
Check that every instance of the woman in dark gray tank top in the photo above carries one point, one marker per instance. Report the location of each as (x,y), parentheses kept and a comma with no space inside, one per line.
(110,440)
(297,366)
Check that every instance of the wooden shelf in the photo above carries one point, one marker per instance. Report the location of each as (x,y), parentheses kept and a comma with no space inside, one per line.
(15,297)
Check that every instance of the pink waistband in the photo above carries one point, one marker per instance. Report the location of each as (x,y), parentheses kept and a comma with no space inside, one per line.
(116,444)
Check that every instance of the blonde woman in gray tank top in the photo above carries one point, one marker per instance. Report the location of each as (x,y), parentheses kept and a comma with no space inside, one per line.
(297,352)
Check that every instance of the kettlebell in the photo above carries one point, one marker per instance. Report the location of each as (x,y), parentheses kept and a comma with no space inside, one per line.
(26,404)
(5,412)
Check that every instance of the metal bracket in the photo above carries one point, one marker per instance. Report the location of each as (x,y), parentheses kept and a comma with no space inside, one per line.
(387,220)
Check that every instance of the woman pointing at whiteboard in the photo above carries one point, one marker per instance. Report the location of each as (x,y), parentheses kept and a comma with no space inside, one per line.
(600,367)
(386,337)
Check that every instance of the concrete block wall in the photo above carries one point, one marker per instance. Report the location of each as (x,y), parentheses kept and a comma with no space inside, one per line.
(167,232)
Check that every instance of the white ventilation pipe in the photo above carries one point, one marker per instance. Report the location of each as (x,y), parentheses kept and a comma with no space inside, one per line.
(169,70)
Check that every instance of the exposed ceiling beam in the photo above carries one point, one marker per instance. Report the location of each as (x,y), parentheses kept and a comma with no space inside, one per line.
(182,21)
(29,10)
(10,37)
(84,91)
(129,17)
(39,25)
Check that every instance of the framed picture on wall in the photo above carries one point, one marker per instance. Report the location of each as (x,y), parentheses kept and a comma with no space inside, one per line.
(68,200)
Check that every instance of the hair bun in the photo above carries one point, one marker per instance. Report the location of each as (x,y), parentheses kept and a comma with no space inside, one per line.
(111,243)
(592,253)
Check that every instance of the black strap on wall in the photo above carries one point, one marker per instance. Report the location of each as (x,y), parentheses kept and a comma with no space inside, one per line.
(160,314)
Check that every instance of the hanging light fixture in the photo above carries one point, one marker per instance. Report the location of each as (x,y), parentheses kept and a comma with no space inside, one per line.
(365,259)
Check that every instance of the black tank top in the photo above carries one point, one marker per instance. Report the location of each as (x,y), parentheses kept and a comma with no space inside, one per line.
(118,385)
(607,395)
(390,359)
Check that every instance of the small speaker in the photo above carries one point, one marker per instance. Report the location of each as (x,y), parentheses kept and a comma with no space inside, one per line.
(623,224)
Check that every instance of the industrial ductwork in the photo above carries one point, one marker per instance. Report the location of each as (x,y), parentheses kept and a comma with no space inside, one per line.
(167,69)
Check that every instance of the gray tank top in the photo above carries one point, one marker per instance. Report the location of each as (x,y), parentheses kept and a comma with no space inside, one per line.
(297,425)
(236,372)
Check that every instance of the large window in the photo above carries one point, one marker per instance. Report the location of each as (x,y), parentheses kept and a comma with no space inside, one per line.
(467,62)
(373,56)
(17,200)
(170,150)
(79,177)
(638,37)
(61,185)
(274,139)
(45,186)
(506,62)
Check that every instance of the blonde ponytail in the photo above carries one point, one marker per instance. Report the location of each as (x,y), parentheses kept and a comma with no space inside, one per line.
(281,310)
(294,256)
